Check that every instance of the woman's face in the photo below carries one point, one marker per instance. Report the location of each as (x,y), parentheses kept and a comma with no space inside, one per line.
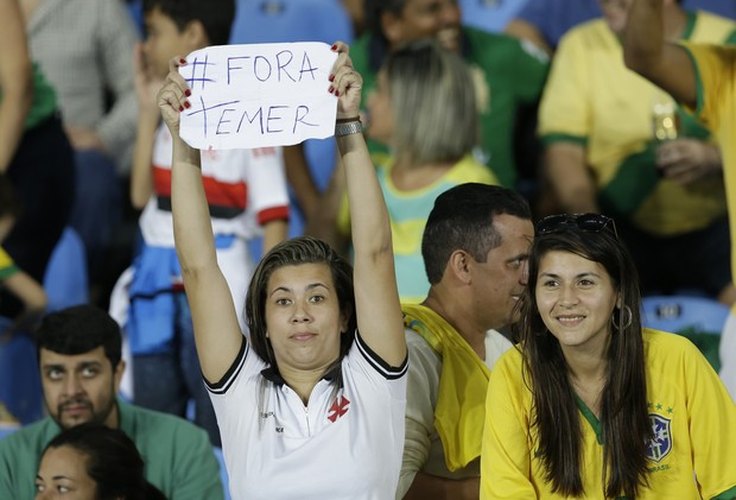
(303,317)
(381,125)
(576,298)
(63,474)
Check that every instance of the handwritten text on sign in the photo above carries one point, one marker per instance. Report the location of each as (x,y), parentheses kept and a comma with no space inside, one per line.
(248,96)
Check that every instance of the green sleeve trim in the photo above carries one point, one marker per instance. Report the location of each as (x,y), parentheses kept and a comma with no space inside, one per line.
(729,494)
(689,25)
(699,92)
(548,139)
(730,39)
(7,272)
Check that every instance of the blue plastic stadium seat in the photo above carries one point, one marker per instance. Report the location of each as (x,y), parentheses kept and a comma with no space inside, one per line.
(700,319)
(65,280)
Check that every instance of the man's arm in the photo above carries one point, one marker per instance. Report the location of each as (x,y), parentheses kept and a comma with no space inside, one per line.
(16,85)
(569,178)
(646,52)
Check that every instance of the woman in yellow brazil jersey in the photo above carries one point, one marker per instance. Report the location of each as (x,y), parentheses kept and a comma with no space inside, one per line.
(592,405)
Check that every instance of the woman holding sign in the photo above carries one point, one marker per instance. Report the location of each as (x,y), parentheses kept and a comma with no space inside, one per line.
(321,384)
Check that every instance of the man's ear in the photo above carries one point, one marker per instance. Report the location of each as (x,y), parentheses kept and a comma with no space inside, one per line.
(458,265)
(393,28)
(117,375)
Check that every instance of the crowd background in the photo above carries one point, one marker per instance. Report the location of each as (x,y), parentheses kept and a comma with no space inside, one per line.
(559,119)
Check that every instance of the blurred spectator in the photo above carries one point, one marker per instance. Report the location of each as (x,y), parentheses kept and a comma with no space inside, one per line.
(508,74)
(79,357)
(34,155)
(619,144)
(84,48)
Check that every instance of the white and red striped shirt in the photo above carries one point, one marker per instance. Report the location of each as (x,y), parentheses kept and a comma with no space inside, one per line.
(245,189)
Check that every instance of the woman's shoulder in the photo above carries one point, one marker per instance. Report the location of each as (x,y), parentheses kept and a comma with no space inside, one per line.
(659,339)
(667,348)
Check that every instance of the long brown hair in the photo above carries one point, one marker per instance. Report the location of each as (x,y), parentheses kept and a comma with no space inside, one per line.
(624,418)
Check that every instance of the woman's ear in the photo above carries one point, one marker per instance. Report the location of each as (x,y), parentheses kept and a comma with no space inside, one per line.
(345,319)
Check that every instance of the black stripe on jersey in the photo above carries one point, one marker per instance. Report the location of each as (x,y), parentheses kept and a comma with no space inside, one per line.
(226,381)
(216,211)
(388,371)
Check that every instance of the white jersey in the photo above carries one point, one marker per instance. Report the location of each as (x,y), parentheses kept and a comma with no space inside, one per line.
(343,444)
(245,188)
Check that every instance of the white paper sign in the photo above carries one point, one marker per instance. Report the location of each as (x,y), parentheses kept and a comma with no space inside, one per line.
(258,95)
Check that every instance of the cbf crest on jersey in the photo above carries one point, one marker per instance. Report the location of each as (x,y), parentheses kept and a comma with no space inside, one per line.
(661,443)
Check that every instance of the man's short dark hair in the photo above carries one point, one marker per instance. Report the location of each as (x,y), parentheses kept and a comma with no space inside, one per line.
(216,16)
(80,329)
(462,219)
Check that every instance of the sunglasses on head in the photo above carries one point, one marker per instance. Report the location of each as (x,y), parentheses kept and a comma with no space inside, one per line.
(593,223)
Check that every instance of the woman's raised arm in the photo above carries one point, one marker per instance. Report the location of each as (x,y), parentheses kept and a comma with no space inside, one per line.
(216,330)
(377,300)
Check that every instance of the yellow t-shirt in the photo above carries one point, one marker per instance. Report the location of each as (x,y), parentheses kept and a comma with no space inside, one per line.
(694,419)
(592,99)
(716,85)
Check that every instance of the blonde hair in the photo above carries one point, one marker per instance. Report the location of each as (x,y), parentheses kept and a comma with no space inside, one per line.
(434,104)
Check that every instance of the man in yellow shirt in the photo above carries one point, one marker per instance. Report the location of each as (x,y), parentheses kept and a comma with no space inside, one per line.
(617,144)
(702,77)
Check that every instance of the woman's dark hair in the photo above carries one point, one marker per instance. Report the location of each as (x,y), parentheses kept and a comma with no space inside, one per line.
(112,461)
(293,252)
(623,415)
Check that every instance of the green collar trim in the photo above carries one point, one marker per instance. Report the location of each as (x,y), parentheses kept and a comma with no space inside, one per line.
(591,418)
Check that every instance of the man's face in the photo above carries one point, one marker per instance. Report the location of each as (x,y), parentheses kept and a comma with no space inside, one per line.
(438,19)
(80,388)
(500,280)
